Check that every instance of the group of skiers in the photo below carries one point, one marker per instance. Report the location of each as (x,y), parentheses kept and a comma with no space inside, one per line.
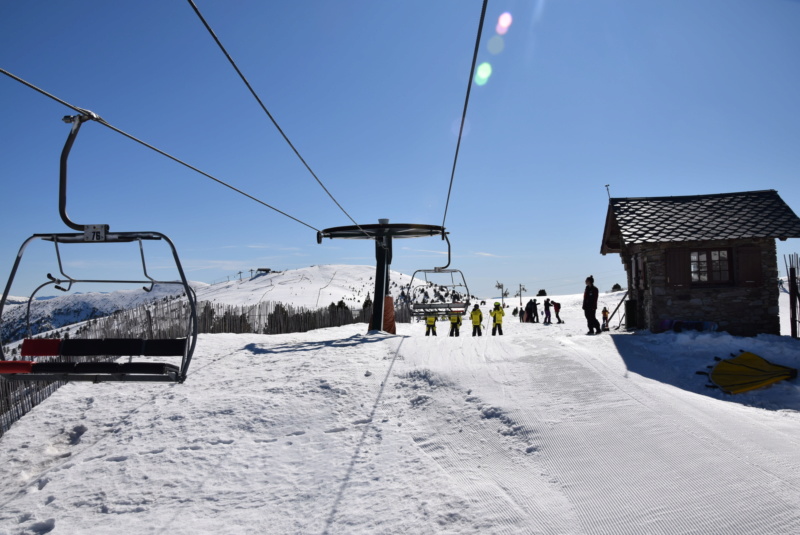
(530,314)
(475,315)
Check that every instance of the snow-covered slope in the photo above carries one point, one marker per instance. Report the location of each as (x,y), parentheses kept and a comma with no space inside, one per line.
(542,430)
(312,287)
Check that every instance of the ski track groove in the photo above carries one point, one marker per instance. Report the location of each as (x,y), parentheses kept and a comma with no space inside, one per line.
(678,415)
(509,489)
(613,512)
(456,465)
(594,431)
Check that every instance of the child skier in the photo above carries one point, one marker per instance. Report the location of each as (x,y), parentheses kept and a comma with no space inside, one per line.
(497,315)
(430,324)
(455,324)
(477,319)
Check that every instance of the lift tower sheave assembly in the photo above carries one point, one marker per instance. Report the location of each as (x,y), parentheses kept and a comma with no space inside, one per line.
(383,234)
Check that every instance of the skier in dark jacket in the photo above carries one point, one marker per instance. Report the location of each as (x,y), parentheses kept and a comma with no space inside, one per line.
(547,320)
(532,313)
(590,296)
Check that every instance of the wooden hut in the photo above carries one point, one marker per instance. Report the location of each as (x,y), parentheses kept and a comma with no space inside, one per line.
(701,258)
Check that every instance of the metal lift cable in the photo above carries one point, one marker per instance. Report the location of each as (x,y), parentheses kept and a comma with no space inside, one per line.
(466,103)
(102,121)
(263,107)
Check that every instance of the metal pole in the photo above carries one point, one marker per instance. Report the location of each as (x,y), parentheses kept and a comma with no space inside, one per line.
(382,255)
(793,299)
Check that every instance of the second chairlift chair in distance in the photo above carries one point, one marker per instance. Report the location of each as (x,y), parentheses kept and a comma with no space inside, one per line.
(458,300)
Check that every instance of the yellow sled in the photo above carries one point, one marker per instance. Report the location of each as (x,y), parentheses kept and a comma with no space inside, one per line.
(748,372)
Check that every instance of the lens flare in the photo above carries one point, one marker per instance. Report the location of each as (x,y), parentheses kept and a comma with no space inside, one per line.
(503,23)
(483,73)
(496,45)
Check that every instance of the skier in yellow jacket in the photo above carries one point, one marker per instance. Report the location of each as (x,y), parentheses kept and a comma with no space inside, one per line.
(430,324)
(455,324)
(497,319)
(477,318)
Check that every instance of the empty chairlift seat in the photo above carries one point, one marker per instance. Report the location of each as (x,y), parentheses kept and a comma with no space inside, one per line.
(67,368)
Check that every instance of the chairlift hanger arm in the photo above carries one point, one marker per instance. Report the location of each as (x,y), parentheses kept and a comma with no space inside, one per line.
(77,121)
(444,237)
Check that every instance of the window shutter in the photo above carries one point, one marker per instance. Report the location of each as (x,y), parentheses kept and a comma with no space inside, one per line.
(749,260)
(678,268)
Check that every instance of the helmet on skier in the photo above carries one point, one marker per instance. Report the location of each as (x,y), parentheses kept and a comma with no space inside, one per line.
(497,304)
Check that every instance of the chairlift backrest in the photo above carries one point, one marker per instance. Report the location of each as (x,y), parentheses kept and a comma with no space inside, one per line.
(421,306)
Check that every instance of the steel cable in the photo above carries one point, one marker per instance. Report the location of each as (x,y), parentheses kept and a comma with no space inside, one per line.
(263,107)
(102,121)
(466,103)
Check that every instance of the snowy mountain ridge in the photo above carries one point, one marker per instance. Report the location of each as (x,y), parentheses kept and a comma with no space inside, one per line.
(311,288)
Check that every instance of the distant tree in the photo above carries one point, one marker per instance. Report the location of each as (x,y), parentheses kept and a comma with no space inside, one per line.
(278,320)
(368,301)
(541,293)
(616,288)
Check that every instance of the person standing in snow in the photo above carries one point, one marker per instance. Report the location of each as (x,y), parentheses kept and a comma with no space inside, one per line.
(497,319)
(455,324)
(557,309)
(547,320)
(590,296)
(477,318)
(605,318)
(430,324)
(531,315)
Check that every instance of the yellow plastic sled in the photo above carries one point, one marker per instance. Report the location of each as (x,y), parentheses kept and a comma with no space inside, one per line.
(748,372)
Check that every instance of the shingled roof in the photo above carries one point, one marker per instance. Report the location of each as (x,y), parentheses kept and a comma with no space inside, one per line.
(724,216)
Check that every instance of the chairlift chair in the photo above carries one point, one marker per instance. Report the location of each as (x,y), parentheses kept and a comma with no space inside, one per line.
(457,304)
(73,359)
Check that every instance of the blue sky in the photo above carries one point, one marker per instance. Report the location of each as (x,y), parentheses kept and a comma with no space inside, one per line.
(654,98)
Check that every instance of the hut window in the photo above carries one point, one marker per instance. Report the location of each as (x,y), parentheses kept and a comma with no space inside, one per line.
(710,266)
